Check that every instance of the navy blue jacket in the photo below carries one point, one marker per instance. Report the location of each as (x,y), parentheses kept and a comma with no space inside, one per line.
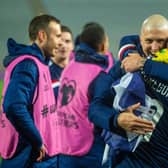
(55,72)
(19,95)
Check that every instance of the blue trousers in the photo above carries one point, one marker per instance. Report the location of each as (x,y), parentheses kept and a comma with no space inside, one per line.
(93,159)
(25,159)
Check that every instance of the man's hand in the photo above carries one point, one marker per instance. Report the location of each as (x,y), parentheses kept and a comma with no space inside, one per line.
(132,123)
(41,154)
(133,62)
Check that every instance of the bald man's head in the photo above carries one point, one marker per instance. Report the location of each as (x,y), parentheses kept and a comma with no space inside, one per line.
(154,34)
(156,21)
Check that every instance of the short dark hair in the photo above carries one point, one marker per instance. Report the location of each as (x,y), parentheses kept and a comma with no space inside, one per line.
(89,24)
(40,22)
(66,29)
(93,35)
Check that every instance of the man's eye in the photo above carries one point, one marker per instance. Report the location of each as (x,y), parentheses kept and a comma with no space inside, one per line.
(161,41)
(149,41)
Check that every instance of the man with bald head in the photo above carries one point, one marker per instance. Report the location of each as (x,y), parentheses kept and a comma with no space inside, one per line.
(137,56)
(153,37)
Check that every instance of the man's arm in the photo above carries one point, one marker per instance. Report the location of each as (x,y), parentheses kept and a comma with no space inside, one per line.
(128,44)
(152,68)
(102,113)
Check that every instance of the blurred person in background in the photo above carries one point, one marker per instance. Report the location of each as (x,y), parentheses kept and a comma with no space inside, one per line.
(61,57)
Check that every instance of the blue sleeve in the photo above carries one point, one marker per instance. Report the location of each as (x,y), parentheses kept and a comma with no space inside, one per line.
(101,111)
(128,44)
(116,72)
(18,100)
(156,69)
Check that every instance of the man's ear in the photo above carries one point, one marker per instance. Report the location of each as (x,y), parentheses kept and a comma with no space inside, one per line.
(102,48)
(42,36)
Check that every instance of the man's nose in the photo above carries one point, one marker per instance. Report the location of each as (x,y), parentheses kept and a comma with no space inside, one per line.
(155,46)
(60,43)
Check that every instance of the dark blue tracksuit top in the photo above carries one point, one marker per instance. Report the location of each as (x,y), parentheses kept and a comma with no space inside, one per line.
(19,95)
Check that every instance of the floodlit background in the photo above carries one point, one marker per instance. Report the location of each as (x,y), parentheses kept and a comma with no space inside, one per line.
(119,17)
